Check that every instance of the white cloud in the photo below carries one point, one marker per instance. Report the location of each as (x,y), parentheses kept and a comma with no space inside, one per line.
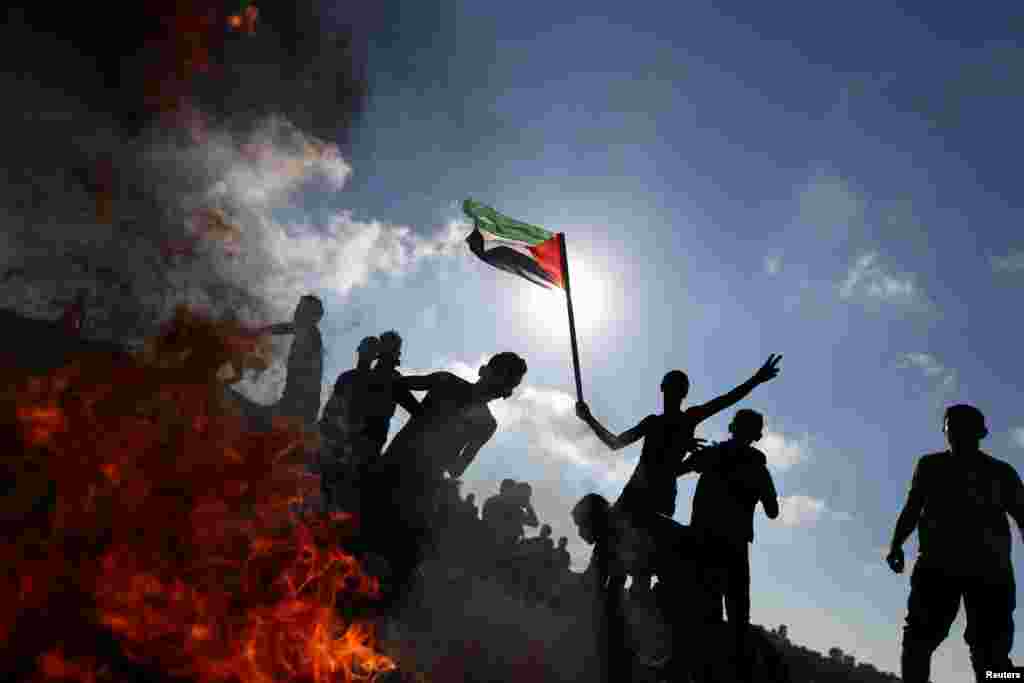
(773,264)
(1017,436)
(1012,262)
(783,452)
(872,283)
(802,511)
(945,378)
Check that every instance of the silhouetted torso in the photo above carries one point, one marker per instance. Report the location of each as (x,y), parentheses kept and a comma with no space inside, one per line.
(727,491)
(343,403)
(433,440)
(963,522)
(652,487)
(305,365)
(384,393)
(505,518)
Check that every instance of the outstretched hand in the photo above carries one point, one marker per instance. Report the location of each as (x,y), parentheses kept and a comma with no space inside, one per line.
(583,411)
(895,560)
(770,370)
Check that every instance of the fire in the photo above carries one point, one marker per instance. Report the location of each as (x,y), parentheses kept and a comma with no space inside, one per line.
(245,21)
(172,530)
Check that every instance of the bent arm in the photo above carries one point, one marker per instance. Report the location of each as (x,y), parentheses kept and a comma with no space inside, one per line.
(404,398)
(421,382)
(278,328)
(1016,503)
(911,513)
(530,519)
(768,496)
(630,436)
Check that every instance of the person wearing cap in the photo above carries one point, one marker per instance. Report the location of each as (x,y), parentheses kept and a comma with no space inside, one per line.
(958,502)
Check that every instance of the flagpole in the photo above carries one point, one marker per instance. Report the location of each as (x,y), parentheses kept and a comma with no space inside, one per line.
(572,320)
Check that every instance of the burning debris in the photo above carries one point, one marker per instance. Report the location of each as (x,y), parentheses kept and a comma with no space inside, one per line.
(146,518)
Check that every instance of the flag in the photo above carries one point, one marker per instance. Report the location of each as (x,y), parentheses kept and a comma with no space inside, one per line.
(520,248)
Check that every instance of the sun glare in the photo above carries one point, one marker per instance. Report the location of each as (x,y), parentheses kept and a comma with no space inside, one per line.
(548,309)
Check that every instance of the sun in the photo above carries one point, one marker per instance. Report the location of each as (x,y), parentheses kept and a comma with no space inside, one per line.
(547,307)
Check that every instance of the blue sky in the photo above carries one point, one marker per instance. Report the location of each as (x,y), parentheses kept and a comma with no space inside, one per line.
(833,182)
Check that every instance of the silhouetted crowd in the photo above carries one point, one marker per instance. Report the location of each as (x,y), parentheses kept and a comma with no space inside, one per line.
(407,499)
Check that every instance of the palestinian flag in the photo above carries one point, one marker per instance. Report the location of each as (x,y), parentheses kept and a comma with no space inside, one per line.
(519,248)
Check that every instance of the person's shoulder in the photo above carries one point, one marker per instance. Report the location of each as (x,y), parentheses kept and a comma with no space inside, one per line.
(757,456)
(934,458)
(1000,465)
(650,421)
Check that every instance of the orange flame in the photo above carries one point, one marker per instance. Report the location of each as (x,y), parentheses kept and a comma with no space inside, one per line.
(200,569)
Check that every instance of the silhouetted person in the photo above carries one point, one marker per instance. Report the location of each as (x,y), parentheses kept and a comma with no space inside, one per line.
(563,560)
(604,578)
(521,510)
(958,502)
(537,556)
(343,426)
(733,478)
(445,437)
(498,516)
(667,437)
(386,391)
(305,365)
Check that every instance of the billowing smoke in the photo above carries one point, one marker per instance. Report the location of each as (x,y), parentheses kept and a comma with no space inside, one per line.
(175,164)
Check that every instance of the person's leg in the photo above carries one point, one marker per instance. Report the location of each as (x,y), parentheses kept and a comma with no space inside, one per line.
(737,605)
(931,608)
(617,663)
(713,580)
(989,603)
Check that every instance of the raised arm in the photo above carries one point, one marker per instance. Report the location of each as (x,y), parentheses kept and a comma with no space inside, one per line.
(765,373)
(908,519)
(610,440)
(278,328)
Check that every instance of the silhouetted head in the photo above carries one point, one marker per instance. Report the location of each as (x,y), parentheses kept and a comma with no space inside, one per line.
(562,542)
(545,531)
(523,492)
(675,385)
(507,485)
(747,426)
(391,347)
(501,375)
(590,515)
(368,349)
(310,311)
(964,426)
